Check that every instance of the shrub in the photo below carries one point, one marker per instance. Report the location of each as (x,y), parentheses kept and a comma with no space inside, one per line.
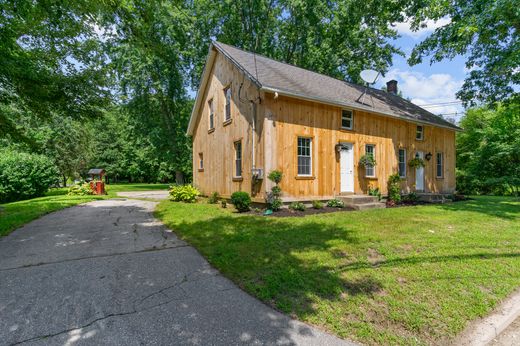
(275,176)
(80,189)
(411,197)
(394,188)
(241,200)
(183,193)
(297,206)
(223,203)
(374,192)
(276,204)
(24,176)
(317,204)
(335,203)
(214,198)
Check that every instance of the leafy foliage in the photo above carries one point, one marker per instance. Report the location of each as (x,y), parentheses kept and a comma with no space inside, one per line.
(24,176)
(80,189)
(184,193)
(336,203)
(488,151)
(214,198)
(317,204)
(367,160)
(394,188)
(374,191)
(273,198)
(416,162)
(275,176)
(487,32)
(297,206)
(241,200)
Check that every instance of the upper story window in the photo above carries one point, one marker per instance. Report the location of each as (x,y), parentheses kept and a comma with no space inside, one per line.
(419,133)
(370,149)
(227,112)
(304,156)
(440,165)
(238,159)
(347,119)
(402,163)
(201,162)
(211,115)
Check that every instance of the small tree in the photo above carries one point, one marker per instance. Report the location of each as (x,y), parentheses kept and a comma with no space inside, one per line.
(394,188)
(273,198)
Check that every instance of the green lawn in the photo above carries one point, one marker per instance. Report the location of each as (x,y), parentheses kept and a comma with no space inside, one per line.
(413,275)
(13,215)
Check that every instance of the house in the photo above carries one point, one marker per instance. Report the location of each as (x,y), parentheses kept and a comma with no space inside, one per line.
(253,114)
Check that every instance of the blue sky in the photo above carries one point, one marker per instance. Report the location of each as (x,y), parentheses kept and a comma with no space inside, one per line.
(427,84)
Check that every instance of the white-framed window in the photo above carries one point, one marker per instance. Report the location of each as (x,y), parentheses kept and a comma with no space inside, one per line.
(201,161)
(440,165)
(227,112)
(419,133)
(238,159)
(370,149)
(211,115)
(347,119)
(402,163)
(304,156)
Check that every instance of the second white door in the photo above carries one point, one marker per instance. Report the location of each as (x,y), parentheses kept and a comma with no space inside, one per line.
(419,173)
(346,167)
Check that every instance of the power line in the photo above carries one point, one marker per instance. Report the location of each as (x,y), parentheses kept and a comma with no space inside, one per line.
(440,104)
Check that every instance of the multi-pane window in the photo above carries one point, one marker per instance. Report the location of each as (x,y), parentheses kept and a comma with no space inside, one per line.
(211,115)
(370,149)
(304,156)
(238,159)
(440,165)
(227,113)
(402,163)
(201,161)
(347,119)
(419,133)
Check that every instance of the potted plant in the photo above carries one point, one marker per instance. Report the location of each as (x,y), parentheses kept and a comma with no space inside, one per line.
(367,160)
(416,162)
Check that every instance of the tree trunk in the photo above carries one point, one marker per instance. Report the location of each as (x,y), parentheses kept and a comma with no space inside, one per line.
(179,177)
(64,181)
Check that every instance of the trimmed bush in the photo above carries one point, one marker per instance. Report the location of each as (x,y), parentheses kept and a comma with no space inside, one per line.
(241,200)
(297,206)
(275,176)
(394,188)
(24,176)
(335,203)
(81,189)
(276,204)
(317,204)
(183,193)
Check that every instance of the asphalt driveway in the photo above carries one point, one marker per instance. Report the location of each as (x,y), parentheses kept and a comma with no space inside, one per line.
(107,272)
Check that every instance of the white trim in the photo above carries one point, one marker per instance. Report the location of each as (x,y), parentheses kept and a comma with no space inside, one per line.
(310,156)
(399,162)
(351,119)
(374,156)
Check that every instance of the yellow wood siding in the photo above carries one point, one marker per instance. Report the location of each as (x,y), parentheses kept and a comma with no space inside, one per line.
(293,118)
(217,146)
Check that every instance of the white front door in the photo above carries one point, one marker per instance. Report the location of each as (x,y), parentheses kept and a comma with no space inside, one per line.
(419,173)
(346,167)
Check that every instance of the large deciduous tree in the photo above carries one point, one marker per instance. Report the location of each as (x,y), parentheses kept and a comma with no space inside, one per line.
(486,32)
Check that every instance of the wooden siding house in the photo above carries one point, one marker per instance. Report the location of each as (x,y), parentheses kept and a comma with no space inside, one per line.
(253,115)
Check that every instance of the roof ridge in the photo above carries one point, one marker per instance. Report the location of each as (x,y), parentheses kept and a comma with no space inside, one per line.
(223,46)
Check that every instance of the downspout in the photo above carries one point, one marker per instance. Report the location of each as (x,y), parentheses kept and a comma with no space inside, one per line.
(253,130)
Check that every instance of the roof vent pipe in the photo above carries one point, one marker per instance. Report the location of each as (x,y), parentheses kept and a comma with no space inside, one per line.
(391,86)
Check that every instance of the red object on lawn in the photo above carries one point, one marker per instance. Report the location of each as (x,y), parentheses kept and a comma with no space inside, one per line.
(97,185)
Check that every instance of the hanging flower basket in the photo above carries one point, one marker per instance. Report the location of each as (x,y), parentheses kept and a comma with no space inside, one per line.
(416,162)
(367,161)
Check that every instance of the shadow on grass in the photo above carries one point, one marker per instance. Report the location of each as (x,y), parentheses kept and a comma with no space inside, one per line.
(488,205)
(273,258)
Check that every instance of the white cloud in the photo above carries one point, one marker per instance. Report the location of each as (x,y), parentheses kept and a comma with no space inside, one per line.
(430,26)
(438,88)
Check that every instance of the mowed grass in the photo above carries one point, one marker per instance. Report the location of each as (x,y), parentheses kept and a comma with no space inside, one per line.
(413,275)
(14,215)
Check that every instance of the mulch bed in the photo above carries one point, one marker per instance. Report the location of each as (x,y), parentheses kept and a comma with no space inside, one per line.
(286,212)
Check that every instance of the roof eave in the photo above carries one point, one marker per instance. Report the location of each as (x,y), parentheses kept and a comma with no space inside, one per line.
(354,106)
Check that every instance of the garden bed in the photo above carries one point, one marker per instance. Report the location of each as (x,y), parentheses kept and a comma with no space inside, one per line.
(286,212)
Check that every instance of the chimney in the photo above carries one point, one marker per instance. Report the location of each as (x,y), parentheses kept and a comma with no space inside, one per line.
(391,86)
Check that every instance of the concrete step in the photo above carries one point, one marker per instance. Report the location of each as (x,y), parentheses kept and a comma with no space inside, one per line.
(358,199)
(366,206)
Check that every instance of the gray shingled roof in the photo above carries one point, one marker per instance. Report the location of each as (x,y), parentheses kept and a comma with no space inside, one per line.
(307,84)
